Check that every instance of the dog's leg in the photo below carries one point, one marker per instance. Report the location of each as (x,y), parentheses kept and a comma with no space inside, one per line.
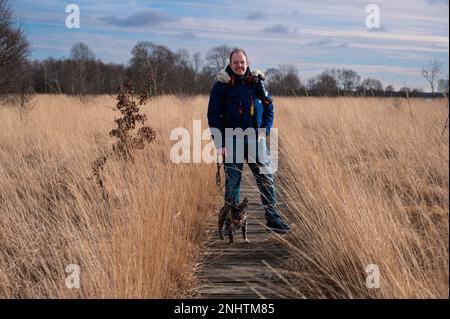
(222,217)
(220,228)
(230,233)
(244,232)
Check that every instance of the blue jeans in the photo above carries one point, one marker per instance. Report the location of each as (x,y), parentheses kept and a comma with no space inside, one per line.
(233,174)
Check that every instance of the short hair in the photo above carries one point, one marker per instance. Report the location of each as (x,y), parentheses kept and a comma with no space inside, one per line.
(238,50)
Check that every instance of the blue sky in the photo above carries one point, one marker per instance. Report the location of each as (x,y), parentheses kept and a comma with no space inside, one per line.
(312,35)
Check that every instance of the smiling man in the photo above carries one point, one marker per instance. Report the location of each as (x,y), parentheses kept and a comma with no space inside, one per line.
(239,102)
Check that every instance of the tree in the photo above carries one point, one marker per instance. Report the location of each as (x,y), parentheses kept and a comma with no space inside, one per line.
(405,91)
(373,85)
(186,76)
(61,76)
(432,72)
(324,84)
(389,90)
(284,80)
(443,86)
(196,62)
(84,59)
(14,51)
(196,65)
(149,66)
(205,80)
(23,91)
(161,70)
(349,79)
(416,92)
(81,52)
(217,58)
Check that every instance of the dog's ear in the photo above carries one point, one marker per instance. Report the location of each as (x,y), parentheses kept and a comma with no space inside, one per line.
(244,202)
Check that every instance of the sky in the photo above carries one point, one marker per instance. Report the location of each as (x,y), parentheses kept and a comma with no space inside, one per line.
(312,35)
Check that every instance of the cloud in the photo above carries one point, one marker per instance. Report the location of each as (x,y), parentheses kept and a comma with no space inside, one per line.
(295,14)
(395,37)
(185,36)
(321,42)
(256,15)
(380,29)
(149,17)
(280,28)
(326,42)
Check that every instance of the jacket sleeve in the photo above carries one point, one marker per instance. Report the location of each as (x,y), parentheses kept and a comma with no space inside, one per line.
(215,114)
(268,115)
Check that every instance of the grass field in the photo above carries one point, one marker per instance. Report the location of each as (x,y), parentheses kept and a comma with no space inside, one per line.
(365,180)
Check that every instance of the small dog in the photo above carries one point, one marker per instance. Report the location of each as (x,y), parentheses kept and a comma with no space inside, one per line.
(235,217)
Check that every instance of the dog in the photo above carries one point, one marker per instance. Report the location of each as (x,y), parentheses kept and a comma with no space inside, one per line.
(235,217)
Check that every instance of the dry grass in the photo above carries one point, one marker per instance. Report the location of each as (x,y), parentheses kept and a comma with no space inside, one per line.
(366,181)
(146,245)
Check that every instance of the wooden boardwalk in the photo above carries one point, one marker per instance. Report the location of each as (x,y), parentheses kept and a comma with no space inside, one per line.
(245,270)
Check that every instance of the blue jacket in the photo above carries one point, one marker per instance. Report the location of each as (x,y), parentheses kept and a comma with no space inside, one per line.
(229,106)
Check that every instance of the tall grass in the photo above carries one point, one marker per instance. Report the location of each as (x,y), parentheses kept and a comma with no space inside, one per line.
(366,181)
(145,244)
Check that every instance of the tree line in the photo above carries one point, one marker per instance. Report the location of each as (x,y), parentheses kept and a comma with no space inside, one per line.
(159,70)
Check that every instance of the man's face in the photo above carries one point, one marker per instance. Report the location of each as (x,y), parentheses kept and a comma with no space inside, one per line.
(238,63)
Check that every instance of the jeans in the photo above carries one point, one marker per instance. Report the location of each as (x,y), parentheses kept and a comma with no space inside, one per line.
(256,161)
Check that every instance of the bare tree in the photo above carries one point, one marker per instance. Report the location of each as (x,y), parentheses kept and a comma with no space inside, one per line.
(374,86)
(13,45)
(21,97)
(84,58)
(350,79)
(15,87)
(325,84)
(217,57)
(164,71)
(389,90)
(443,86)
(196,62)
(405,91)
(432,72)
(61,76)
(284,80)
(81,52)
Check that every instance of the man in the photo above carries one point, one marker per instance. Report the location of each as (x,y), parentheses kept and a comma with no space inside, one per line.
(239,101)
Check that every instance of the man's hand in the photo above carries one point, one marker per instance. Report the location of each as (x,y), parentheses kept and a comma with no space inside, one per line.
(222,151)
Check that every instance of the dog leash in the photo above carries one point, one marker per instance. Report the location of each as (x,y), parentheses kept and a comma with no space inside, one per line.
(219,165)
